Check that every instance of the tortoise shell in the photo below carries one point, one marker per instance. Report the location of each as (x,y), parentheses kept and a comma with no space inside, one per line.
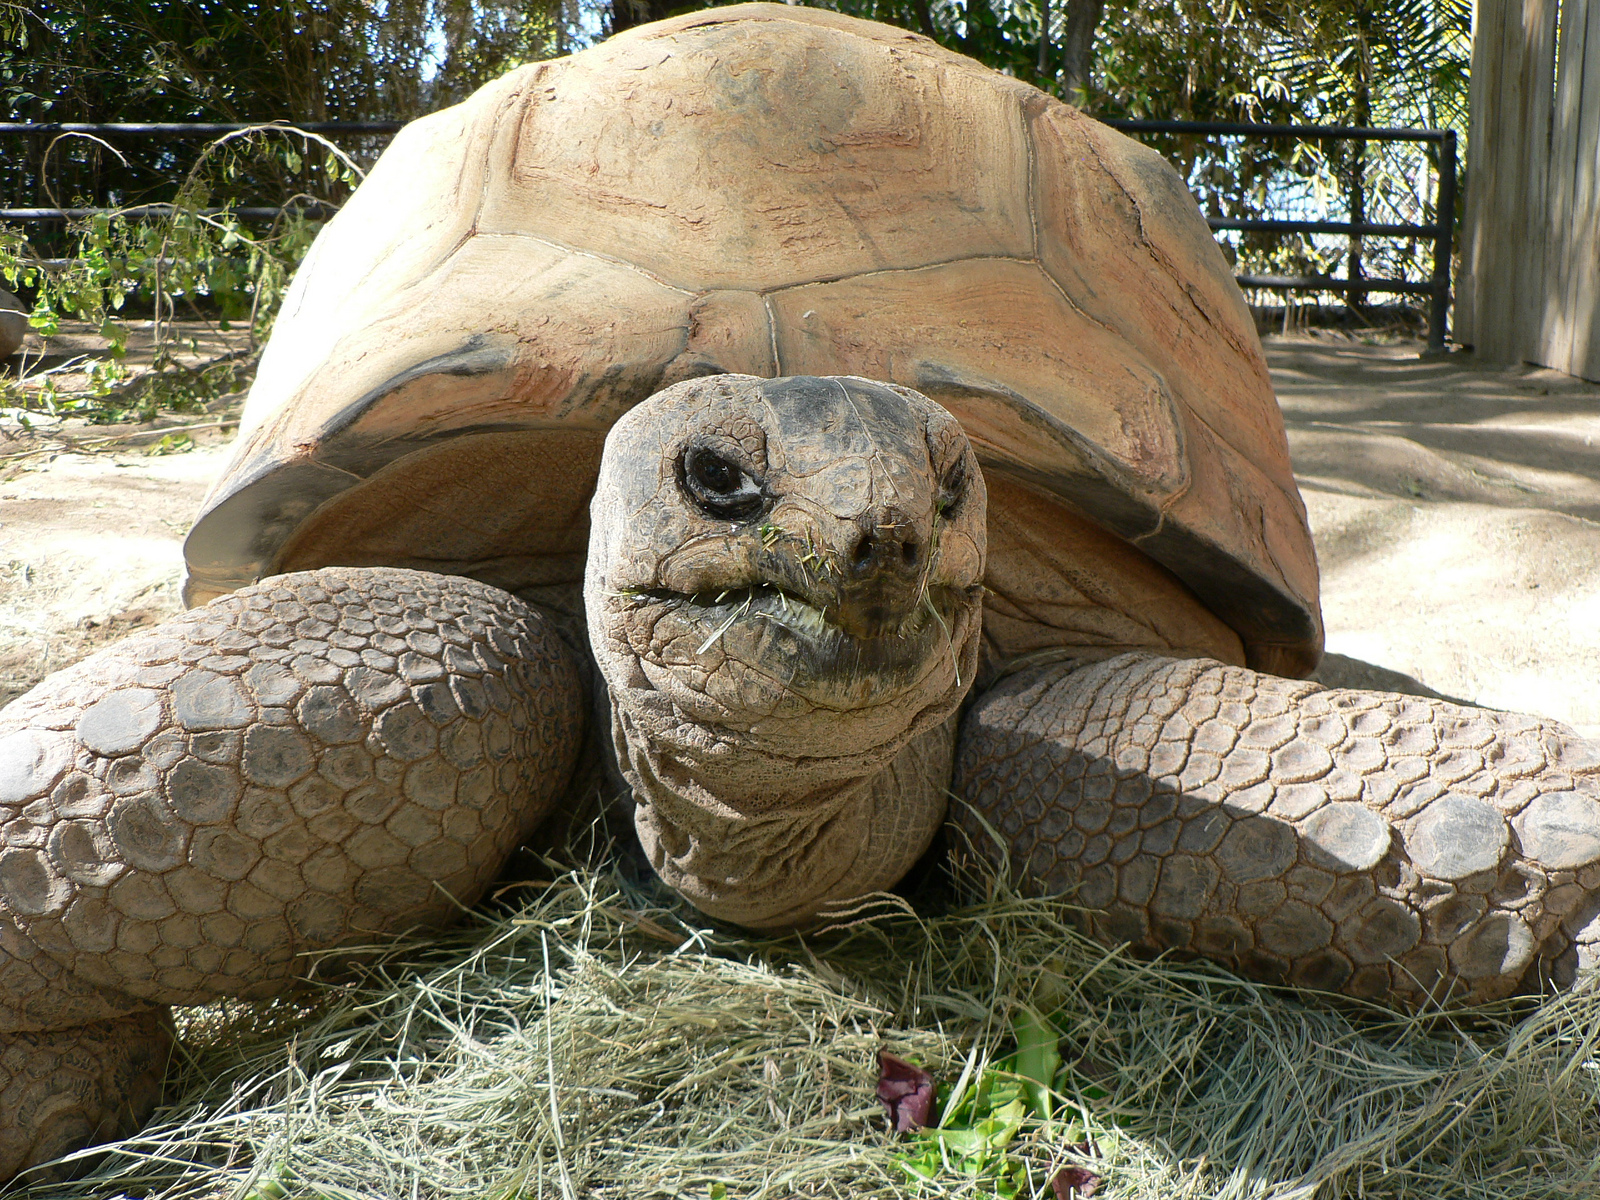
(767,190)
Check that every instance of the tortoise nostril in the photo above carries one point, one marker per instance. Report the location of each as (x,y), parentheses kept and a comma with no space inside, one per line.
(873,553)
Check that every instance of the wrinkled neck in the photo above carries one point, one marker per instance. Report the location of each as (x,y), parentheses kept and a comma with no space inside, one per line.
(825,831)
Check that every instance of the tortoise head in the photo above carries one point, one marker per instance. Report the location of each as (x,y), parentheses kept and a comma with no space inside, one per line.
(784,587)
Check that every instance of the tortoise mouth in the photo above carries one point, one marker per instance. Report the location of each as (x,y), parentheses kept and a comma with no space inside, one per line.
(803,616)
(800,644)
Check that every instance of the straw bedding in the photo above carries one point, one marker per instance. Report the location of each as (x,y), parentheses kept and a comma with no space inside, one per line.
(588,1036)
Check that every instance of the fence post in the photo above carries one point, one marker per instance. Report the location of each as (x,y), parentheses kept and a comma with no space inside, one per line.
(1444,217)
(1354,270)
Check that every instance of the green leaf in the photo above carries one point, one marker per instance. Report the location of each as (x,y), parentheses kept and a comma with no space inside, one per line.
(1037,1058)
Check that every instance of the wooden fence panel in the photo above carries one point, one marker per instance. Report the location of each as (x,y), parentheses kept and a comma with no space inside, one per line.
(1572,332)
(1556,333)
(1530,287)
(1477,258)
(1508,148)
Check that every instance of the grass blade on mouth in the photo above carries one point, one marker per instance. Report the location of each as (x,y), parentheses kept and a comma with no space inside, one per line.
(726,625)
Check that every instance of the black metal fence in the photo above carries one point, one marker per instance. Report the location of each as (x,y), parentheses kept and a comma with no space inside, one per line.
(1441,231)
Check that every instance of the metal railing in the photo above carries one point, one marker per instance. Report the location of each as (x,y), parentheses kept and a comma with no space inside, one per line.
(1441,231)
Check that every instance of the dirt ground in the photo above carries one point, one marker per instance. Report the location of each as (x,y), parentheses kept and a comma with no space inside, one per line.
(1456,510)
(92,517)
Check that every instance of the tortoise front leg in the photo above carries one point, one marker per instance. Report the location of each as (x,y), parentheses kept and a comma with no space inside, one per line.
(313,761)
(1377,844)
(61,1089)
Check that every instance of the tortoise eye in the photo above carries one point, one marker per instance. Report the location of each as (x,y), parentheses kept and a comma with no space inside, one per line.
(720,487)
(713,473)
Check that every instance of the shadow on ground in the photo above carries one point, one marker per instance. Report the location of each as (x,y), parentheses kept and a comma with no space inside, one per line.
(1383,421)
(1455,510)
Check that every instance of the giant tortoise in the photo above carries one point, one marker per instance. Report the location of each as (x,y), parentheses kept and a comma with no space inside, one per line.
(818,425)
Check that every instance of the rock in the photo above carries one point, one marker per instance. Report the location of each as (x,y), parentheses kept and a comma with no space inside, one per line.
(13,324)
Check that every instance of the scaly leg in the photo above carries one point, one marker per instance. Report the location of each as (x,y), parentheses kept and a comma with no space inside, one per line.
(1377,844)
(67,1088)
(314,761)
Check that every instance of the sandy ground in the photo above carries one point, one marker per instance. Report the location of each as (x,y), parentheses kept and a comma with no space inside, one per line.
(91,549)
(92,517)
(1456,511)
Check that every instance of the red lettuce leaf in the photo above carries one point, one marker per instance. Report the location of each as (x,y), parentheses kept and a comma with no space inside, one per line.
(1077,1183)
(906,1092)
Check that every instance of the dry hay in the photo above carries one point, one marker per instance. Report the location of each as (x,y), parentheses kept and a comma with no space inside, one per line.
(594,1038)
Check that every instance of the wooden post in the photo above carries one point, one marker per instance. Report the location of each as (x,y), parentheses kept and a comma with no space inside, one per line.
(1444,217)
(1499,308)
(1570,331)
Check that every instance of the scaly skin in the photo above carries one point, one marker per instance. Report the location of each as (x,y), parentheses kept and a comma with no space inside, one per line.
(69,1087)
(198,811)
(1381,845)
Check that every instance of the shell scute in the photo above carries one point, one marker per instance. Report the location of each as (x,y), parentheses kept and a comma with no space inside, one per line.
(699,155)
